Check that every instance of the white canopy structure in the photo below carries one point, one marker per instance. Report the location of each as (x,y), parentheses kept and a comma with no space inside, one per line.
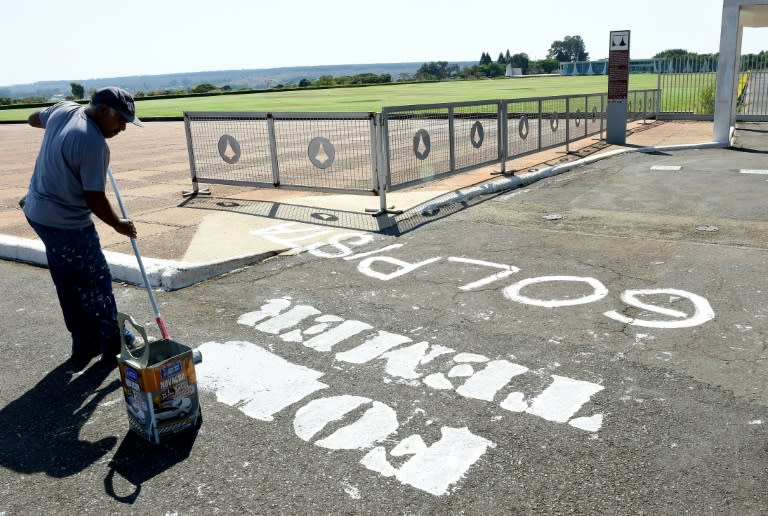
(737,14)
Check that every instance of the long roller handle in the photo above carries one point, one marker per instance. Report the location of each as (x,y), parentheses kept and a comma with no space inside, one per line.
(135,245)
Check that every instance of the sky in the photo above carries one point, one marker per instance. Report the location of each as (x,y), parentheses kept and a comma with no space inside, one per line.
(88,39)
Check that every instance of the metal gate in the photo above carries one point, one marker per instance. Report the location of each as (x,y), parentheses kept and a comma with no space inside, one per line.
(689,88)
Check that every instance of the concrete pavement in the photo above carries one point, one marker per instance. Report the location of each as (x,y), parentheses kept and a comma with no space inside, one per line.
(187,240)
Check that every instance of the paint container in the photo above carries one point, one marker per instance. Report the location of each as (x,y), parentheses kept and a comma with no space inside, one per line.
(159,384)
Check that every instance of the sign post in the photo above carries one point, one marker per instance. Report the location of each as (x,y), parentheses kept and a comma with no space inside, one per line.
(618,87)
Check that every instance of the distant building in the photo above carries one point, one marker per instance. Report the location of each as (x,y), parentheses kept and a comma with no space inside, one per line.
(660,65)
(513,72)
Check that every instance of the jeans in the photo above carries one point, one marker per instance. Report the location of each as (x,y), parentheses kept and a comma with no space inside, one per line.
(84,287)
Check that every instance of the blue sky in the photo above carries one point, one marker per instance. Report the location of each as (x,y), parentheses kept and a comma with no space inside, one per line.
(88,39)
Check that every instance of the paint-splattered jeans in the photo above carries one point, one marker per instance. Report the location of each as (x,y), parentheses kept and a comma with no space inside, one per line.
(84,286)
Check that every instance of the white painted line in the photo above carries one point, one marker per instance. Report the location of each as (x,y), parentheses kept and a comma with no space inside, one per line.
(670,168)
(752,171)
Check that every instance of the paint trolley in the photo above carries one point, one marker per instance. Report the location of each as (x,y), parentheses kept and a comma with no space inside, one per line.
(159,384)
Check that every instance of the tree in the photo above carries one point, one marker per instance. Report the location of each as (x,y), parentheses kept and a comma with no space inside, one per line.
(501,59)
(204,88)
(545,65)
(78,90)
(485,59)
(520,60)
(507,57)
(325,80)
(569,49)
(436,71)
(672,53)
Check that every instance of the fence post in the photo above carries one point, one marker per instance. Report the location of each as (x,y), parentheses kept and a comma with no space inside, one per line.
(602,115)
(567,125)
(196,190)
(273,149)
(451,140)
(503,132)
(380,142)
(539,126)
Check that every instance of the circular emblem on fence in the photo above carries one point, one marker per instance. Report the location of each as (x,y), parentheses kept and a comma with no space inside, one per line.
(477,135)
(421,144)
(522,127)
(321,152)
(594,113)
(554,121)
(229,149)
(578,117)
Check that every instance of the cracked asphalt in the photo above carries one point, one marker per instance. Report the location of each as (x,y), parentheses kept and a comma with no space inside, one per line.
(646,283)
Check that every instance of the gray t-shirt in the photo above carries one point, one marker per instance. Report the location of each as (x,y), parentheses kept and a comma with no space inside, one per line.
(73,158)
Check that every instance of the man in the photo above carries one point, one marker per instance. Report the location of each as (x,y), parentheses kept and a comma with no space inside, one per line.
(67,186)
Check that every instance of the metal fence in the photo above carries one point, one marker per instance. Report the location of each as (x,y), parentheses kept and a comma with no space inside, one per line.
(689,88)
(320,151)
(402,146)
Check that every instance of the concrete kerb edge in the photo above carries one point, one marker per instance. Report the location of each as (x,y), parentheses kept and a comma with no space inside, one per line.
(513,182)
(162,274)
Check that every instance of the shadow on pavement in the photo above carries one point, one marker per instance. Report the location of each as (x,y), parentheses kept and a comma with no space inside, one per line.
(137,460)
(41,429)
(395,225)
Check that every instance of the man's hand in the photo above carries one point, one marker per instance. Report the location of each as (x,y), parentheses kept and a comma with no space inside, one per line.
(125,227)
(100,206)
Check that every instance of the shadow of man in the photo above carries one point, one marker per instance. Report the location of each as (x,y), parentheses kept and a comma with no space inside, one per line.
(41,429)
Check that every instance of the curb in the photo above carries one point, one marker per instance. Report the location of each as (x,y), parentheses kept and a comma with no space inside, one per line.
(162,274)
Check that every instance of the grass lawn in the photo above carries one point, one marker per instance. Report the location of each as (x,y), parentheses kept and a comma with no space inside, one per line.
(373,98)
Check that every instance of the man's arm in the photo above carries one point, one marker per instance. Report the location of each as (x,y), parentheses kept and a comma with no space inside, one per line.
(100,206)
(34,120)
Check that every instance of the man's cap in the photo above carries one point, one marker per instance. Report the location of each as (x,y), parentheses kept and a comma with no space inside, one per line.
(119,100)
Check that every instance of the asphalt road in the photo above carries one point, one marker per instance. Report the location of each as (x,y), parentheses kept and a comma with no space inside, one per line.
(591,344)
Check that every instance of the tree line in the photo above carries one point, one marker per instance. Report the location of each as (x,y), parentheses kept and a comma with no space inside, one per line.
(570,48)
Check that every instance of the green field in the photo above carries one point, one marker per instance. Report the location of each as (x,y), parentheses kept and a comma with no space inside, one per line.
(373,98)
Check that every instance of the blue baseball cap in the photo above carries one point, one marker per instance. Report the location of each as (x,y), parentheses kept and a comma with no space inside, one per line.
(119,100)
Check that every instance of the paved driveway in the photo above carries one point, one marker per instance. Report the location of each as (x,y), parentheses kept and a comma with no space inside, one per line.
(593,343)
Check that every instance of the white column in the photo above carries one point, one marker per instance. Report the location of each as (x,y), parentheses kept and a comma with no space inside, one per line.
(727,72)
